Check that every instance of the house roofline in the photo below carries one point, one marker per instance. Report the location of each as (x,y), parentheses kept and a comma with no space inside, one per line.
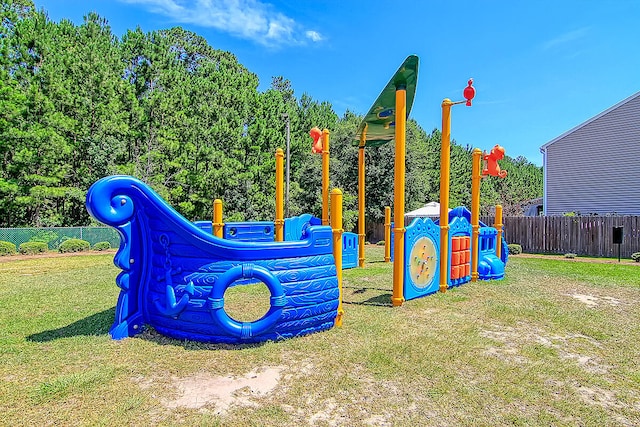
(543,148)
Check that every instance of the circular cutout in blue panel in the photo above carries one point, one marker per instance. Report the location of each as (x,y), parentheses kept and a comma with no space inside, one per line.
(246,330)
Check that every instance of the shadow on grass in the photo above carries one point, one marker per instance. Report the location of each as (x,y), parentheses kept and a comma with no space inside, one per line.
(96,324)
(99,324)
(383,300)
(151,335)
(363,289)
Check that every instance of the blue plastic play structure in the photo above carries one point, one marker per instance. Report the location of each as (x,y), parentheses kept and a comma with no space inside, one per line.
(422,253)
(174,273)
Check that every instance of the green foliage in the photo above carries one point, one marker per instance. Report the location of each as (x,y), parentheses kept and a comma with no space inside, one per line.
(514,248)
(381,243)
(78,103)
(7,248)
(32,248)
(570,255)
(101,246)
(635,256)
(74,245)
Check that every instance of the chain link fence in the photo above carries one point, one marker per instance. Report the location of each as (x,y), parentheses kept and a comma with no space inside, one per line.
(54,236)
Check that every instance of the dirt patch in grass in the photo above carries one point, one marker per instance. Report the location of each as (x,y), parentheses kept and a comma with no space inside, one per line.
(594,301)
(219,392)
(512,340)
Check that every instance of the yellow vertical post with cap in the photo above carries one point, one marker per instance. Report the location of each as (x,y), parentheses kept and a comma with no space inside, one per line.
(218,225)
(445,172)
(398,207)
(499,225)
(325,177)
(387,233)
(476,176)
(279,222)
(361,201)
(445,161)
(336,226)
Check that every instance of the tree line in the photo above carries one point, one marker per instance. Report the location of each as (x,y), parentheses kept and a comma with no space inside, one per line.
(78,103)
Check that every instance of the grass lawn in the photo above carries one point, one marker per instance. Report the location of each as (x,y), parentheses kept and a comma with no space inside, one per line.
(555,343)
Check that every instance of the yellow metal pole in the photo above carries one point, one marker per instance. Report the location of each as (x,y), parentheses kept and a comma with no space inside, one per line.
(398,206)
(279,222)
(218,225)
(445,160)
(387,233)
(476,176)
(498,225)
(325,177)
(361,203)
(336,226)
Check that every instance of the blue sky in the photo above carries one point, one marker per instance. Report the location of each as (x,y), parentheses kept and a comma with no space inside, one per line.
(540,67)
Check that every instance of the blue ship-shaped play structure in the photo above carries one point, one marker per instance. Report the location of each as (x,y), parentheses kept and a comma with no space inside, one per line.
(175,274)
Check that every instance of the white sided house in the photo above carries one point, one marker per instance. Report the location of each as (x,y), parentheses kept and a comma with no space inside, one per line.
(594,169)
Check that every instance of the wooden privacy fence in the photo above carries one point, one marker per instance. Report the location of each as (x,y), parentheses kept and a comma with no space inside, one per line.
(582,235)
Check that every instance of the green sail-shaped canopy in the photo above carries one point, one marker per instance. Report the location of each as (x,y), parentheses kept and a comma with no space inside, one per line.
(381,119)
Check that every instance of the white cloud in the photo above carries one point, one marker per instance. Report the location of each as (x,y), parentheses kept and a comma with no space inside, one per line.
(248,19)
(565,38)
(314,36)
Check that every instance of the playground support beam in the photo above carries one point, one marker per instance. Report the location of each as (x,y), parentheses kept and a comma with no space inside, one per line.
(445,162)
(336,226)
(498,226)
(279,222)
(218,225)
(476,176)
(387,233)
(325,177)
(398,206)
(361,202)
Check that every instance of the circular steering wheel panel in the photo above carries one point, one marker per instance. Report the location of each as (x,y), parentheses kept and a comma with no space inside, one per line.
(422,262)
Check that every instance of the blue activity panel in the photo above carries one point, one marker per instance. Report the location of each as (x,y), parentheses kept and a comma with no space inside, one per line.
(349,250)
(175,272)
(422,254)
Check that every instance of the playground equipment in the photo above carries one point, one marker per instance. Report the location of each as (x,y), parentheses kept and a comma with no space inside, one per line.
(418,259)
(422,272)
(386,121)
(175,272)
